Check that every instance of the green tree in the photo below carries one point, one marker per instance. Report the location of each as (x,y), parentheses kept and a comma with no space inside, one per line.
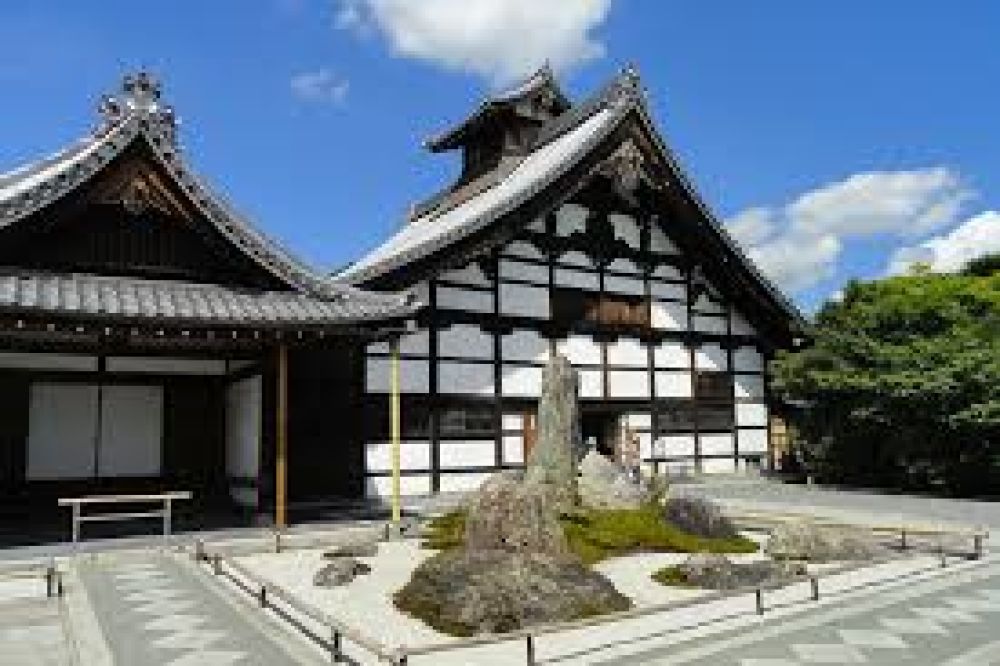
(901,386)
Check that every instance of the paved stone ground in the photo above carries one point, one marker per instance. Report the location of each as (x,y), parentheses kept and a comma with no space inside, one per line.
(950,621)
(32,632)
(153,609)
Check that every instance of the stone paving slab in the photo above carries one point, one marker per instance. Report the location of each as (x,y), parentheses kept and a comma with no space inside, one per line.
(154,609)
(32,632)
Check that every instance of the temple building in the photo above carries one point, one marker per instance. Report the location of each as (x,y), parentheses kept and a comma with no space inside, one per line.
(570,229)
(151,338)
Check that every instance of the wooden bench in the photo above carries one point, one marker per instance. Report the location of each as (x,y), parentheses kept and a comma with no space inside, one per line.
(165,513)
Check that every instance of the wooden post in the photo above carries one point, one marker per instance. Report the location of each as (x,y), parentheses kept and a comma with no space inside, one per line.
(281,442)
(394,431)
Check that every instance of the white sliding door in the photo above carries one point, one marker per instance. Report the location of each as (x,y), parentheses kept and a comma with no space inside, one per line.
(243,432)
(62,426)
(131,431)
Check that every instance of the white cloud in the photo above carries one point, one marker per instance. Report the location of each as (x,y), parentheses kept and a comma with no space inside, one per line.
(321,85)
(949,252)
(498,39)
(800,243)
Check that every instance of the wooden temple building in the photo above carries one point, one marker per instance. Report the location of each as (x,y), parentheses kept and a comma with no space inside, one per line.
(571,229)
(151,338)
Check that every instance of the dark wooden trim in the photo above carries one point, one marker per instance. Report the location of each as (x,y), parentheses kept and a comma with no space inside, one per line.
(433,390)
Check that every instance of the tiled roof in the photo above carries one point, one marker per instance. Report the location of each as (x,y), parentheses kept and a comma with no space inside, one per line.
(167,301)
(137,114)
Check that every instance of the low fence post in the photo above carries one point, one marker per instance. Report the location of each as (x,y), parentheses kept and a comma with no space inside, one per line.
(50,580)
(531,649)
(814,583)
(76,523)
(199,550)
(168,511)
(216,564)
(759,597)
(338,653)
(902,539)
(977,546)
(262,596)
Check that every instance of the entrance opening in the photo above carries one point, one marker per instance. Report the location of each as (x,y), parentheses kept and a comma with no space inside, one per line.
(601,430)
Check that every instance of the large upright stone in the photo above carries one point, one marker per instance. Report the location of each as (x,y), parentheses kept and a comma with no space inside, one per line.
(516,516)
(558,448)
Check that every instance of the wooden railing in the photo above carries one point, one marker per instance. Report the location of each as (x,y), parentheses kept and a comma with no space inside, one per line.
(165,514)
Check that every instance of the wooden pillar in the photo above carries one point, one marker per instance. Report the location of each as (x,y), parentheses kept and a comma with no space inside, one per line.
(394,431)
(281,441)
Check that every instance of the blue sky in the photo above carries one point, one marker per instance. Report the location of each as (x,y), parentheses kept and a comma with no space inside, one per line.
(839,139)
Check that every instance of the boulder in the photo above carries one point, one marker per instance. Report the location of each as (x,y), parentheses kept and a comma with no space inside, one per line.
(340,571)
(698,516)
(467,593)
(557,450)
(512,514)
(717,572)
(803,540)
(359,544)
(602,484)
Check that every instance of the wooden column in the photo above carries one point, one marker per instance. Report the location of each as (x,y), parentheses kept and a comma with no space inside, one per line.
(281,441)
(397,508)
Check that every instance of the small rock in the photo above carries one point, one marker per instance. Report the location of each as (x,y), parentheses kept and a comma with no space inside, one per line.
(340,571)
(698,516)
(717,572)
(361,547)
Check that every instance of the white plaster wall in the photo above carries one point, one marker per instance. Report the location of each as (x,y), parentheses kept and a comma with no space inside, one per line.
(453,298)
(673,384)
(471,275)
(748,386)
(623,285)
(753,441)
(519,299)
(131,431)
(705,324)
(747,359)
(674,446)
(570,218)
(524,345)
(566,277)
(413,454)
(416,343)
(628,384)
(513,449)
(639,420)
(62,422)
(645,445)
(751,414)
(465,341)
(671,354)
(465,378)
(413,375)
(522,381)
(523,270)
(626,229)
(244,408)
(512,422)
(16,360)
(467,453)
(522,249)
(716,444)
(706,304)
(455,482)
(575,258)
(710,357)
(409,485)
(668,316)
(668,272)
(538,224)
(580,350)
(621,265)
(658,242)
(628,352)
(591,384)
(671,290)
(718,465)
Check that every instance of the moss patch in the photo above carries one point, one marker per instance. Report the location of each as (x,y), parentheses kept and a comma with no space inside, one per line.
(671,575)
(595,535)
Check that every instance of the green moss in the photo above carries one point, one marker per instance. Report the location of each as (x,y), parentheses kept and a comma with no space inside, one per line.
(671,575)
(595,535)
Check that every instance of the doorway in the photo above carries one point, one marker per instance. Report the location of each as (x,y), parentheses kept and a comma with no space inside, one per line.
(601,430)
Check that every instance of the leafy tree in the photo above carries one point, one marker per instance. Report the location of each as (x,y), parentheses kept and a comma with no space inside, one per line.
(901,385)
(988,264)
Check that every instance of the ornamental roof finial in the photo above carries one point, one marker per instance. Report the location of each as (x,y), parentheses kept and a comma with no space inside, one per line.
(140,94)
